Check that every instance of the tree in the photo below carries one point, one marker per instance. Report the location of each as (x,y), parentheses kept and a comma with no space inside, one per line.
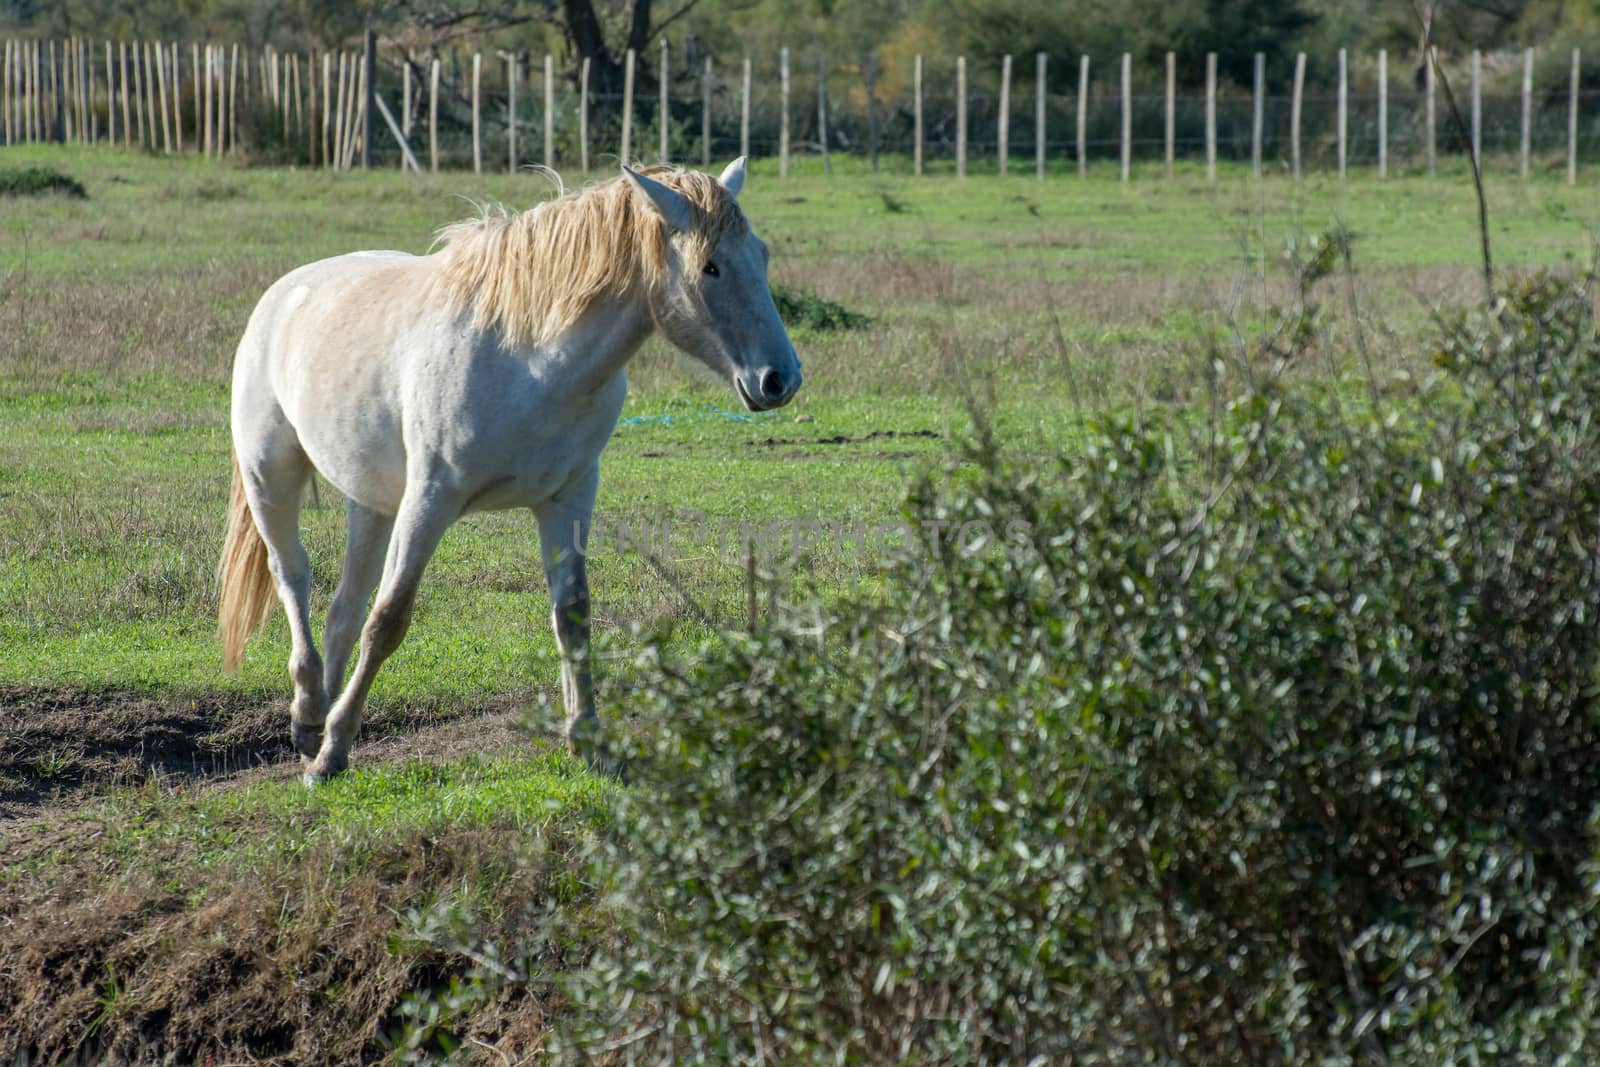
(587,32)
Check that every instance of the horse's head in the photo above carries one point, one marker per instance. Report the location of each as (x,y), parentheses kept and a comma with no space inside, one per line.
(714,302)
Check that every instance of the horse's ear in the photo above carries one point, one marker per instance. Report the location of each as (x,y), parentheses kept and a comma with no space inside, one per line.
(670,204)
(733,177)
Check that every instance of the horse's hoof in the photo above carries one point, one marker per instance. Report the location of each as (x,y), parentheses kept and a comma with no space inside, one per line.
(321,770)
(307,740)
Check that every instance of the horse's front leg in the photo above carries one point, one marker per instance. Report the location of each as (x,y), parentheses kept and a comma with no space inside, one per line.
(425,513)
(563,537)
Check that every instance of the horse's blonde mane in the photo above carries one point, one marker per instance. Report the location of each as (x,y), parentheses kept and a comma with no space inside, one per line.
(531,275)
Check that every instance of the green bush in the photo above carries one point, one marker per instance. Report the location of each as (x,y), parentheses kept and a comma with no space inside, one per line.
(1275,741)
(40,181)
(802,309)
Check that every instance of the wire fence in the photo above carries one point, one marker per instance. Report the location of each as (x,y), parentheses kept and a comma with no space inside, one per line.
(498,111)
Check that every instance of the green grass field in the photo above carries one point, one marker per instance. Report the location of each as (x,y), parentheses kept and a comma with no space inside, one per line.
(1041,302)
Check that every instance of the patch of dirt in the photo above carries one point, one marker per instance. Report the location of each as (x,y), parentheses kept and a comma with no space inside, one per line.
(60,747)
(846,439)
(56,746)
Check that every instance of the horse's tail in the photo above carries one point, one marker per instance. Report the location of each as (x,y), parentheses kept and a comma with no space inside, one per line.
(244,581)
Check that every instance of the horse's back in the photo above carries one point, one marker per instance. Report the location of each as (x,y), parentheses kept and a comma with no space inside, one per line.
(321,354)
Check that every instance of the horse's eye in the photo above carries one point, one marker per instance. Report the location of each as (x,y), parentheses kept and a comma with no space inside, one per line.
(711,269)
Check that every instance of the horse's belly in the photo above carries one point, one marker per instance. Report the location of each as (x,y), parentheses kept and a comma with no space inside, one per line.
(372,474)
(537,476)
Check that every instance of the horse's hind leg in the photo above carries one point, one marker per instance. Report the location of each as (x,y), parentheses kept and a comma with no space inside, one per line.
(365,544)
(275,477)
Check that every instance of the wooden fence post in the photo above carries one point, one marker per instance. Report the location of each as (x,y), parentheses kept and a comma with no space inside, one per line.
(663,107)
(122,92)
(627,110)
(336,156)
(1344,111)
(1428,113)
(218,72)
(111,95)
(705,114)
(1258,103)
(360,98)
(1527,107)
(1003,133)
(1172,112)
(1383,113)
(916,120)
(783,127)
(327,109)
(1127,116)
(94,87)
(583,117)
(477,112)
(91,89)
(549,110)
(204,129)
(1572,122)
(66,92)
(13,91)
(233,101)
(314,125)
(1040,61)
(79,119)
(744,112)
(511,113)
(1294,112)
(161,84)
(961,116)
(21,101)
(433,116)
(822,111)
(1477,105)
(1211,116)
(1083,116)
(24,97)
(405,96)
(37,107)
(69,94)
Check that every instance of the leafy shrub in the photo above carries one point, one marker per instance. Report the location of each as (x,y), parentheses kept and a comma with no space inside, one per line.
(804,310)
(40,181)
(1276,742)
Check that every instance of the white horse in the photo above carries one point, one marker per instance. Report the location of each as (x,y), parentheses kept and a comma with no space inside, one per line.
(487,375)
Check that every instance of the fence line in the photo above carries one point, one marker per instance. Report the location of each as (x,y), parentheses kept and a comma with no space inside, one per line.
(314,107)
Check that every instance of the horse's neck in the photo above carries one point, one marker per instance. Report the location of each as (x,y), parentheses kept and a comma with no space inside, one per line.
(598,346)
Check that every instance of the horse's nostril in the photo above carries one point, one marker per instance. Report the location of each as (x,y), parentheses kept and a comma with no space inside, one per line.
(771,384)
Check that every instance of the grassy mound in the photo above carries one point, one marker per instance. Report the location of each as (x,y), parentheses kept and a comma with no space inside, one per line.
(40,181)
